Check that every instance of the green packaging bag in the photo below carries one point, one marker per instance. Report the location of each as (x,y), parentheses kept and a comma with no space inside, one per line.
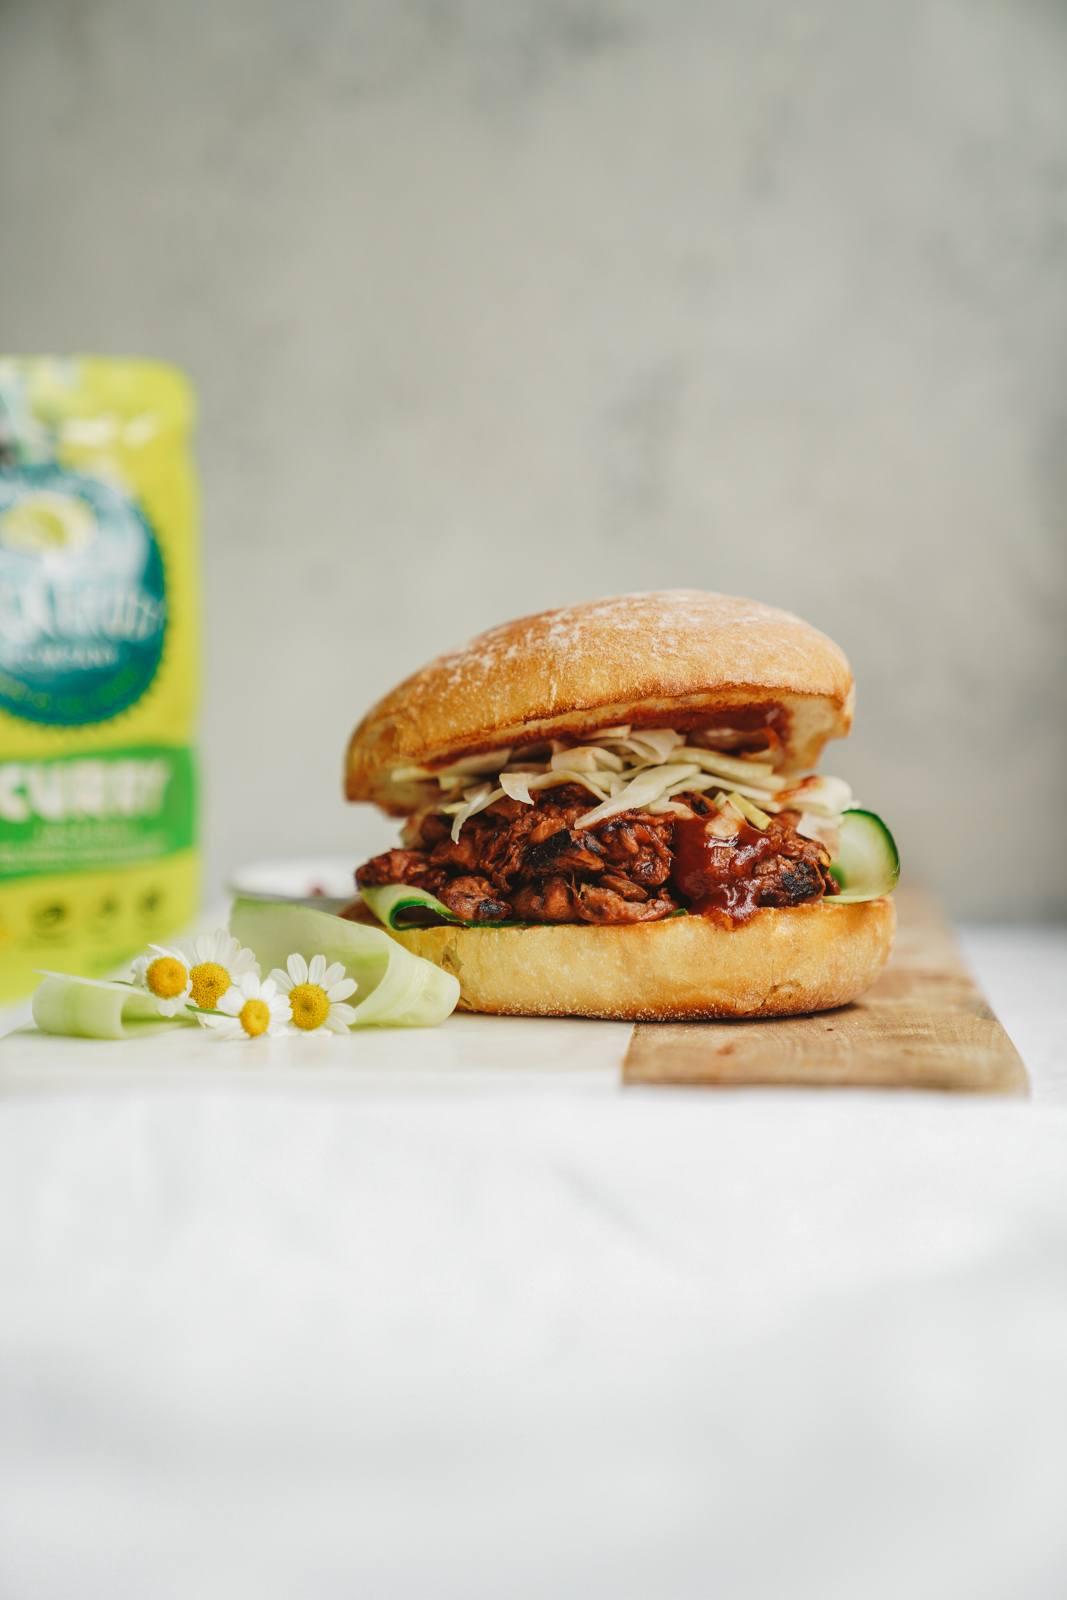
(98,663)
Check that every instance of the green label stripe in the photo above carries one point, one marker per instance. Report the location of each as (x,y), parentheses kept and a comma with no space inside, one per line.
(106,809)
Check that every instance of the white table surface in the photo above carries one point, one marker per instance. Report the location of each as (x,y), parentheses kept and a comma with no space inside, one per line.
(451,1313)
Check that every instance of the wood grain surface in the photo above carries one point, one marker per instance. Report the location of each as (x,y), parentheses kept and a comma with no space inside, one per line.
(924,1025)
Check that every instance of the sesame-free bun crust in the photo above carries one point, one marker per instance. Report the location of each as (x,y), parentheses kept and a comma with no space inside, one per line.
(680,658)
(781,962)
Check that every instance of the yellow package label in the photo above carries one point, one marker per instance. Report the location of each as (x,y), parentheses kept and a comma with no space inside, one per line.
(99,648)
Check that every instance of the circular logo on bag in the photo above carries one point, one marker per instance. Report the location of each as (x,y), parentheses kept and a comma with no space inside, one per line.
(82,603)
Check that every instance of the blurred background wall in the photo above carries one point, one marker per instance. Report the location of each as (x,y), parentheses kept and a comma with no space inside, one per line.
(499,304)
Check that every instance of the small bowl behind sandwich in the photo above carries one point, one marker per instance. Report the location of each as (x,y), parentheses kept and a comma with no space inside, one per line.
(611,811)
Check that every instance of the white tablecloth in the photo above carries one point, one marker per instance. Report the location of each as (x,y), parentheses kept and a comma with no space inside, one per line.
(453,1314)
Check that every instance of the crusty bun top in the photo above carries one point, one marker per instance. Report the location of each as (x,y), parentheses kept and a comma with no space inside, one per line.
(678,658)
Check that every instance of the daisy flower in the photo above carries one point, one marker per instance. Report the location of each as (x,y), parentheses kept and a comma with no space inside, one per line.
(165,976)
(250,1007)
(317,994)
(216,963)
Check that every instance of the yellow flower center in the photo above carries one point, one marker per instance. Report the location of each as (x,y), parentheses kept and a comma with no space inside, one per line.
(166,977)
(254,1017)
(210,982)
(309,1005)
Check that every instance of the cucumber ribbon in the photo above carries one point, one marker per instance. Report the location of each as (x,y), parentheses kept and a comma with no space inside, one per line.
(399,907)
(396,988)
(96,1008)
(867,863)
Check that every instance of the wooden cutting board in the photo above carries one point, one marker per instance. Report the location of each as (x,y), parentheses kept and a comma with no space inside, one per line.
(924,1025)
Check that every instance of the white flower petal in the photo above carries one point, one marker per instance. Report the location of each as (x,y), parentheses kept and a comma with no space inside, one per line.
(346,1014)
(333,974)
(229,1028)
(232,1001)
(248,984)
(224,1025)
(317,968)
(342,990)
(334,1024)
(161,950)
(281,980)
(298,968)
(267,988)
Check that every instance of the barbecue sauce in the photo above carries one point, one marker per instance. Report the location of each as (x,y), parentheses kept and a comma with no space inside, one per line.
(714,876)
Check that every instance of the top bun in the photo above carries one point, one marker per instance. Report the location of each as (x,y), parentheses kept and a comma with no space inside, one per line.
(678,658)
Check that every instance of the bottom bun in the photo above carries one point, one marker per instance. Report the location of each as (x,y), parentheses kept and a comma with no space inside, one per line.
(800,958)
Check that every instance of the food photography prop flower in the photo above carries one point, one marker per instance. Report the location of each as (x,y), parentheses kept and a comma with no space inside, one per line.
(251,1009)
(216,963)
(165,976)
(316,994)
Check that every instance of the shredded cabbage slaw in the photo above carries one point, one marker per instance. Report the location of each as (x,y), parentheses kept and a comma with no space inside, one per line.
(642,769)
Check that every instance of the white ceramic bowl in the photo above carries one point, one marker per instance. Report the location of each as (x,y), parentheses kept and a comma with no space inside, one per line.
(323,881)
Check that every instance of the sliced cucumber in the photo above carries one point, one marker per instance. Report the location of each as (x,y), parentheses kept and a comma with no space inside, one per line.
(866,865)
(396,988)
(400,907)
(97,1008)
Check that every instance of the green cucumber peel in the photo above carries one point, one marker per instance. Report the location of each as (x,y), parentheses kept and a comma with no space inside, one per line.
(96,1008)
(866,865)
(395,988)
(389,902)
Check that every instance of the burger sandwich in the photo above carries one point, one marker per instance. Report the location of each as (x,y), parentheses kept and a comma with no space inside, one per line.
(611,810)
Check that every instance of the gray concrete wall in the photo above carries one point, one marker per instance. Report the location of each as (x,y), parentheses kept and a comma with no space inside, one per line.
(496,305)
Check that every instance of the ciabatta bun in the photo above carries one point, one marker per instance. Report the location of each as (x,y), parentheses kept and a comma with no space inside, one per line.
(783,961)
(678,658)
